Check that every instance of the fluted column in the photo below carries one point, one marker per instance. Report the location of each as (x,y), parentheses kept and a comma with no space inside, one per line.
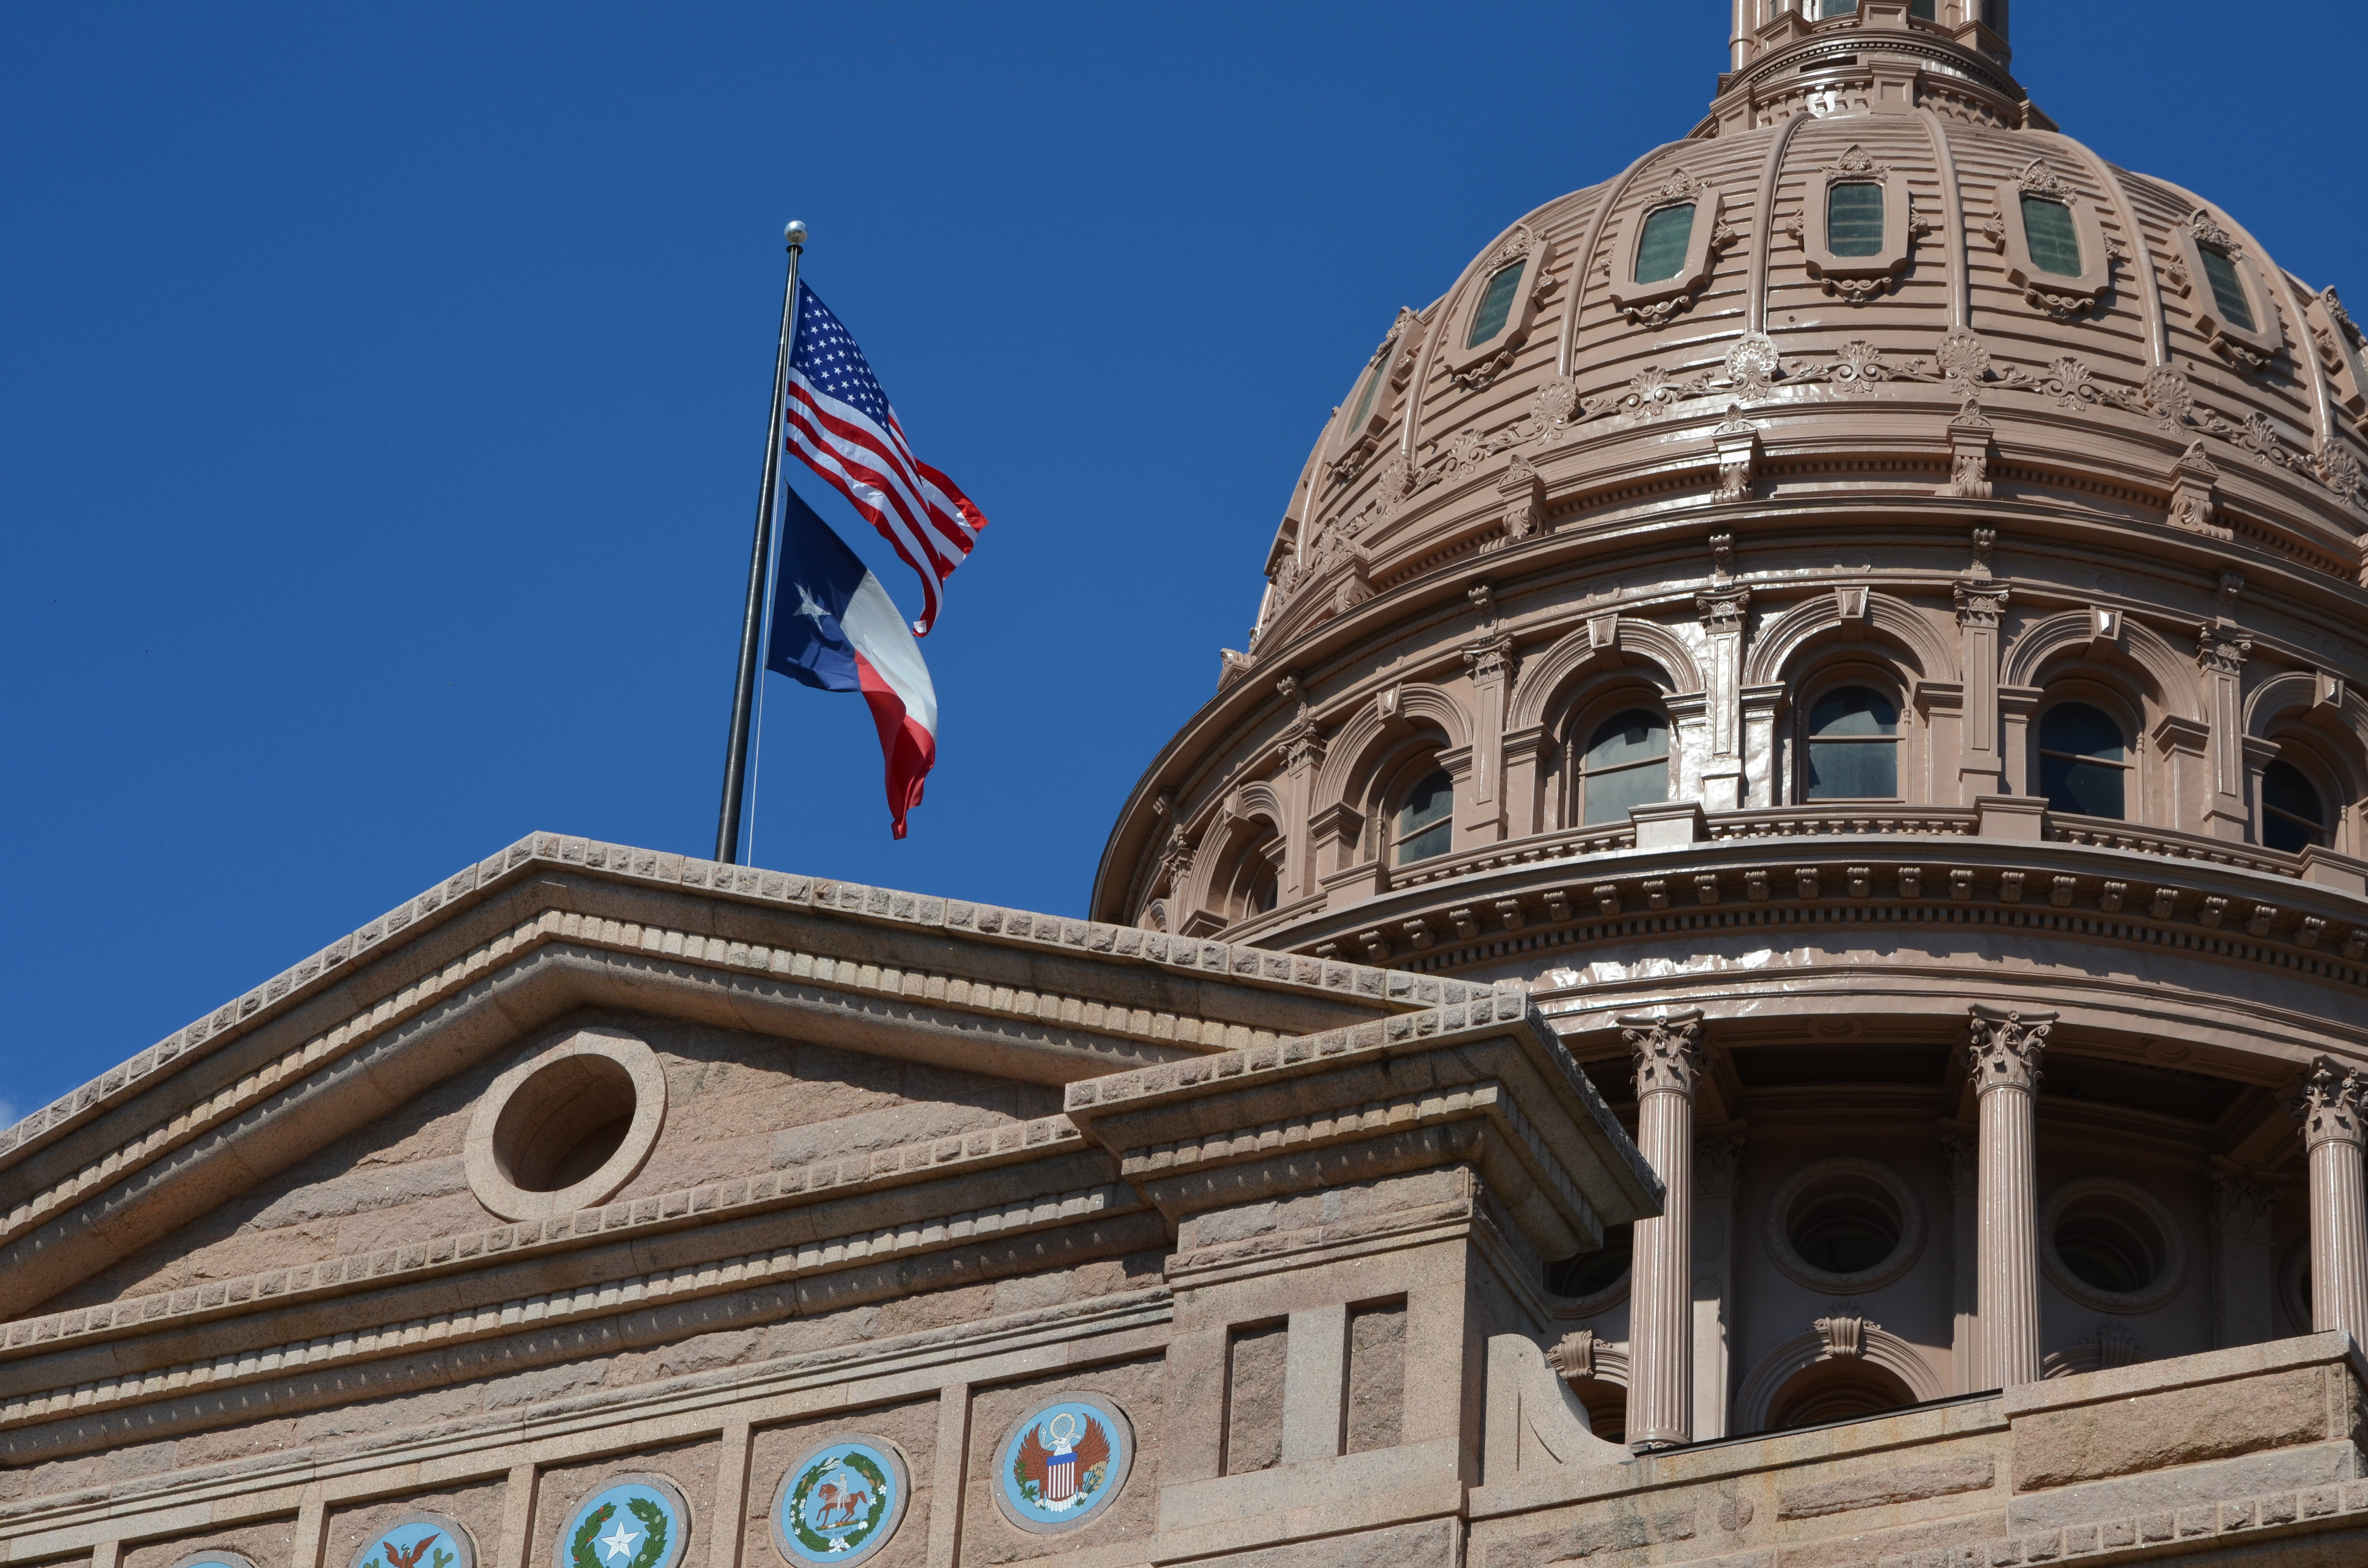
(1669,1057)
(2333,1099)
(2006,1048)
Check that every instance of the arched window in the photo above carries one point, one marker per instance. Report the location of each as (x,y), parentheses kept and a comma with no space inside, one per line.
(1662,243)
(2293,816)
(1496,304)
(1853,746)
(1426,821)
(1255,884)
(1626,763)
(2083,762)
(1843,1388)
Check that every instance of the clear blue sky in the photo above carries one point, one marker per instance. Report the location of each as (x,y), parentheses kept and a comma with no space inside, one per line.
(384,391)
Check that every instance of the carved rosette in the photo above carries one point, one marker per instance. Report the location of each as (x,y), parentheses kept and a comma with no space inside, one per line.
(2006,1047)
(1668,1052)
(2334,1099)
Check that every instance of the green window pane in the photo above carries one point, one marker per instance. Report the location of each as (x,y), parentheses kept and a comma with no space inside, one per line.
(1923,10)
(1661,249)
(1854,710)
(2054,242)
(1365,397)
(1637,735)
(1854,219)
(1425,823)
(2085,788)
(1495,305)
(2081,730)
(2228,289)
(1836,9)
(1854,770)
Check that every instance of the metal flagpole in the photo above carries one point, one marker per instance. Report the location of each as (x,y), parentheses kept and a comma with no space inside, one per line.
(760,559)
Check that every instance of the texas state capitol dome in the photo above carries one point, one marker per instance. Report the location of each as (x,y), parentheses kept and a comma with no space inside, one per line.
(1870,577)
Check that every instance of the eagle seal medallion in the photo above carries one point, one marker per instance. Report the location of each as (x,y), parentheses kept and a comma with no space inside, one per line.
(1062,1464)
(838,1502)
(416,1541)
(628,1521)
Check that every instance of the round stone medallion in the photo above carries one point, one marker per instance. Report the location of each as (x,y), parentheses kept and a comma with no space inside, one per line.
(629,1521)
(840,1501)
(1059,1465)
(417,1540)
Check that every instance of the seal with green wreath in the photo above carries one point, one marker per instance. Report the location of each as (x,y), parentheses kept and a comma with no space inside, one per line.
(628,1521)
(840,1502)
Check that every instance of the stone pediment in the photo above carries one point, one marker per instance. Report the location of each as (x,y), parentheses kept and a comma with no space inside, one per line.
(347,1183)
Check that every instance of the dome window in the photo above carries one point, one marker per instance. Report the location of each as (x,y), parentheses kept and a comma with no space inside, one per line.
(1661,243)
(2111,1245)
(1495,305)
(2083,761)
(2054,247)
(1853,746)
(2293,816)
(1626,763)
(2338,348)
(2225,292)
(1854,217)
(1856,238)
(1426,824)
(1499,305)
(2055,238)
(2227,288)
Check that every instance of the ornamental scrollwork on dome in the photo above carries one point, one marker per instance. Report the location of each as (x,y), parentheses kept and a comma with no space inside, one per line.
(2041,179)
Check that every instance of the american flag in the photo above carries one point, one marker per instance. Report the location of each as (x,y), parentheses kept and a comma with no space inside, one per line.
(840,424)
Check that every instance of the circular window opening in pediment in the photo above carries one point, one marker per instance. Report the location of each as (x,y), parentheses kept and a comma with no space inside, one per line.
(2111,1244)
(1845,1224)
(1590,1275)
(564,1123)
(566,1128)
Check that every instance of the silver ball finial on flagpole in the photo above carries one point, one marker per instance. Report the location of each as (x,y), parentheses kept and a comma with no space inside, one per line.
(795,233)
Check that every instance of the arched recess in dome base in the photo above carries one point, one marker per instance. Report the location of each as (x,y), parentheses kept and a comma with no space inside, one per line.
(1789,634)
(2294,696)
(1544,676)
(1881,1349)
(2175,682)
(1349,764)
(1229,833)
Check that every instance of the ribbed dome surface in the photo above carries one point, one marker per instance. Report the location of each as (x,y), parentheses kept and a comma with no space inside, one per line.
(1609,385)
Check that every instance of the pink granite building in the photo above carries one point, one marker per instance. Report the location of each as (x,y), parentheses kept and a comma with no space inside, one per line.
(1760,963)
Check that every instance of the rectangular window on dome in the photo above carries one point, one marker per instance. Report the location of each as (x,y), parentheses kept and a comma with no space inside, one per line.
(2054,241)
(1661,249)
(1836,9)
(1365,396)
(2228,289)
(1495,305)
(1854,217)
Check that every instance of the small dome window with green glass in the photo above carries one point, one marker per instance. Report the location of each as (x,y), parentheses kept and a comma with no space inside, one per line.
(1496,304)
(2229,288)
(1661,245)
(1626,763)
(1854,750)
(1426,824)
(1854,217)
(1374,374)
(2054,239)
(2084,765)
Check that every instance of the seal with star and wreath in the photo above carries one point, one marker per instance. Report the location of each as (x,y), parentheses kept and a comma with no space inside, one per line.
(840,1501)
(627,1521)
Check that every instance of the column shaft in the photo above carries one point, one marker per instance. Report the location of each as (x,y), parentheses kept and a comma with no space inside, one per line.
(1660,1291)
(2006,1052)
(2333,1099)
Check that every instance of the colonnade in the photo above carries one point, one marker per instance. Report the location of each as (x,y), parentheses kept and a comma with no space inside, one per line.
(2004,1055)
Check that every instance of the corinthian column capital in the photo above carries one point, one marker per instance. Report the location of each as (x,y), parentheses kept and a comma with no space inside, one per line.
(1669,1051)
(2006,1048)
(2333,1103)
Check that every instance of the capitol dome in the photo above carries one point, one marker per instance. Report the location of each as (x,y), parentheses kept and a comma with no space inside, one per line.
(1868,570)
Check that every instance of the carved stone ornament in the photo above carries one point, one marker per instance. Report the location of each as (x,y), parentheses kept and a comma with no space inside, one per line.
(2194,496)
(1573,1355)
(1738,454)
(2006,1047)
(1525,496)
(2332,1104)
(2222,650)
(1844,1336)
(1669,1051)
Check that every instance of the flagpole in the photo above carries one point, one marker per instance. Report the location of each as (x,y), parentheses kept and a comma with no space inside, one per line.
(760,556)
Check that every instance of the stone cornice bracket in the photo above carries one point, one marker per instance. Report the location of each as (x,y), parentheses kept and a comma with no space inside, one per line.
(1483,595)
(2232,583)
(1669,1053)
(2195,496)
(2006,1047)
(1302,744)
(1722,558)
(1985,540)
(1737,441)
(1969,453)
(2332,1104)
(1524,496)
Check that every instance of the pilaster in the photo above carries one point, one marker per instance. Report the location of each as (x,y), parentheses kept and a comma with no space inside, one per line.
(2237,1216)
(1718,1171)
(1490,665)
(1725,609)
(1959,1146)
(1981,769)
(2220,652)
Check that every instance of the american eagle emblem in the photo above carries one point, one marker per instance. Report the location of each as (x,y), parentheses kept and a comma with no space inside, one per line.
(1064,1459)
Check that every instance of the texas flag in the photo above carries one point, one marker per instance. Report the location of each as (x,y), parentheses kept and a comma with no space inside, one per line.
(836,628)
